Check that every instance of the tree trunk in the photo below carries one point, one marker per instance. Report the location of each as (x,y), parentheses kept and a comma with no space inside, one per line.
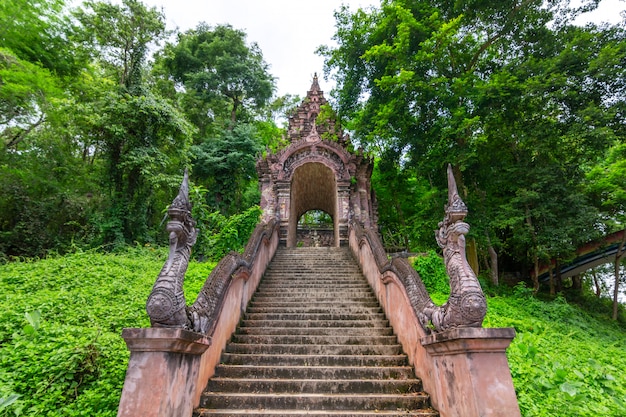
(536,276)
(529,223)
(558,281)
(233,114)
(621,251)
(596,283)
(493,262)
(552,291)
(577,283)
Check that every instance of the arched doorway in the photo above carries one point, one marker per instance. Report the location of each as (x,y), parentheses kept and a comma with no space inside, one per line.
(313,187)
(315,229)
(316,171)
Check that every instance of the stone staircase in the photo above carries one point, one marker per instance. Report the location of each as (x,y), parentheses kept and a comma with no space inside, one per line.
(314,341)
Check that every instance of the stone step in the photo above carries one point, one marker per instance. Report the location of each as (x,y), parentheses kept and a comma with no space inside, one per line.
(315,372)
(277,286)
(356,308)
(316,294)
(314,299)
(316,401)
(314,323)
(313,360)
(312,286)
(297,292)
(325,304)
(314,316)
(299,413)
(283,349)
(317,331)
(320,279)
(330,386)
(314,340)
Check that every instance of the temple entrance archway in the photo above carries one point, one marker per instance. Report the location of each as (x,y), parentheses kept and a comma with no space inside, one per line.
(318,170)
(313,187)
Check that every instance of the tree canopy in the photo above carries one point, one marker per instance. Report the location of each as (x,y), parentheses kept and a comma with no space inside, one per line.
(523,103)
(101,109)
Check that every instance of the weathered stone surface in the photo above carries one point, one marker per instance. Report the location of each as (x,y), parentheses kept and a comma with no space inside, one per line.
(330,353)
(166,304)
(316,172)
(466,305)
(162,373)
(464,369)
(471,372)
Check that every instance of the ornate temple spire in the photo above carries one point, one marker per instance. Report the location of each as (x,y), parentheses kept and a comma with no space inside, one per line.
(304,123)
(456,208)
(315,86)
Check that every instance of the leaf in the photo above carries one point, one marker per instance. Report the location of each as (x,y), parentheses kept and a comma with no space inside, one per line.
(569,388)
(5,402)
(34,318)
(29,330)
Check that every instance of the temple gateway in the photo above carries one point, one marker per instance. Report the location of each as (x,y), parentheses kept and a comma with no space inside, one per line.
(316,172)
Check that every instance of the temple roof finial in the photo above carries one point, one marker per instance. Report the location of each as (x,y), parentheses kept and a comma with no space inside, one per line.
(315,85)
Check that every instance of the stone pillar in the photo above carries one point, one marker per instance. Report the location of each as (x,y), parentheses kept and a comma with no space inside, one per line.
(284,211)
(162,378)
(471,372)
(343,213)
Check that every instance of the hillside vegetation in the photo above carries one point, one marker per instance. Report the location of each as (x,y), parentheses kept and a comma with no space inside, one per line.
(61,350)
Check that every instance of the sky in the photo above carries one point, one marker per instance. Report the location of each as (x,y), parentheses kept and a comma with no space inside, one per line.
(289,31)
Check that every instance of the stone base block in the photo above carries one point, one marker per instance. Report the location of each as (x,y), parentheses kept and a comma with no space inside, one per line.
(163,372)
(471,372)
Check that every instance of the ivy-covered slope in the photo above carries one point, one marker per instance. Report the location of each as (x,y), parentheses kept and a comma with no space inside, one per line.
(60,324)
(61,350)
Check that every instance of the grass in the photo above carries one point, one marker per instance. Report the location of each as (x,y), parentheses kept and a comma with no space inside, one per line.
(60,325)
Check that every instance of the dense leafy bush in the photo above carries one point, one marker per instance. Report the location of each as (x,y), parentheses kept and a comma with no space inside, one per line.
(564,361)
(220,234)
(432,271)
(60,325)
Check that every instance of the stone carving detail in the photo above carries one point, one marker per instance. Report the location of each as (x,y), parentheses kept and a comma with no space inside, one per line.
(166,303)
(298,158)
(466,305)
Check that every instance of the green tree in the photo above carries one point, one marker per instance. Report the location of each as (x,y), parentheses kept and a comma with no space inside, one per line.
(227,164)
(42,32)
(511,93)
(223,76)
(607,186)
(143,138)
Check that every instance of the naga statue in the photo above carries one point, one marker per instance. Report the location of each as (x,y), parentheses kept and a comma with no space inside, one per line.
(166,304)
(466,306)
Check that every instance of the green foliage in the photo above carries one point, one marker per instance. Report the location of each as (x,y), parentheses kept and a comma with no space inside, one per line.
(41,32)
(409,208)
(74,361)
(218,234)
(432,271)
(562,358)
(220,72)
(227,165)
(315,218)
(60,323)
(520,100)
